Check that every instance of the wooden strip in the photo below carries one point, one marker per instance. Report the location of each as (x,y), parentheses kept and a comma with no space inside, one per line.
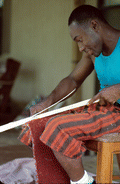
(46,114)
(55,103)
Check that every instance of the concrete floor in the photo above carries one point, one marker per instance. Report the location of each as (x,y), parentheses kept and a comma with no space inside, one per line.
(11,148)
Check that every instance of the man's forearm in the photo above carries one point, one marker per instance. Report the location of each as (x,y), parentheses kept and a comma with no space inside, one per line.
(64,88)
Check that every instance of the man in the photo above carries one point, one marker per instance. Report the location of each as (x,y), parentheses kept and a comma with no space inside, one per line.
(66,134)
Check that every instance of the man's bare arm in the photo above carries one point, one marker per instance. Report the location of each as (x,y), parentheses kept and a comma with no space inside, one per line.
(107,95)
(68,84)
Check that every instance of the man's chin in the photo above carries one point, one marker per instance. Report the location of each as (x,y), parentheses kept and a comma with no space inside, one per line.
(97,54)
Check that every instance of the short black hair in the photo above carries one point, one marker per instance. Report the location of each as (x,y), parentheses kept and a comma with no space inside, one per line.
(85,13)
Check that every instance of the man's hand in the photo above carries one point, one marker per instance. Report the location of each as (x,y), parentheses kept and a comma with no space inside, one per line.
(107,95)
(38,107)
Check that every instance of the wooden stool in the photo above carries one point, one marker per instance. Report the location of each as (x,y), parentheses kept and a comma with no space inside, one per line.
(105,147)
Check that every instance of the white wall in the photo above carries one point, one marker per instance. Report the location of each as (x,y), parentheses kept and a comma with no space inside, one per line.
(91,2)
(40,40)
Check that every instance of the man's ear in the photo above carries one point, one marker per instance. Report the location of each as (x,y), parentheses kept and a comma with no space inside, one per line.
(94,25)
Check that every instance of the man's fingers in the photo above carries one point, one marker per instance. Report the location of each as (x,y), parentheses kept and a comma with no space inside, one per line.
(32,111)
(37,109)
(103,101)
(96,97)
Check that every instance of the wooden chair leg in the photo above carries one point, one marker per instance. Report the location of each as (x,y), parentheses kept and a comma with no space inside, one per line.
(118,159)
(104,163)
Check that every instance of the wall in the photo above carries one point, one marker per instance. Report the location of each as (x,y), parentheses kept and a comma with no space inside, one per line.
(91,2)
(111,2)
(39,38)
(6,23)
(115,12)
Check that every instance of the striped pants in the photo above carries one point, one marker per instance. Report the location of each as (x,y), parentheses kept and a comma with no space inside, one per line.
(66,133)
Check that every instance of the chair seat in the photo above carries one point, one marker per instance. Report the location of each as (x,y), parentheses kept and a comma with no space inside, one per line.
(112,137)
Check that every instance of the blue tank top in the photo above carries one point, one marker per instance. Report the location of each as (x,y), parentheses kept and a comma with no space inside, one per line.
(108,68)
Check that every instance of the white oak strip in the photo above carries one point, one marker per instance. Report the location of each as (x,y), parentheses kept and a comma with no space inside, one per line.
(14,124)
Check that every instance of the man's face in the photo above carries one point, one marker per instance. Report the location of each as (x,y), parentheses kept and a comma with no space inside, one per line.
(88,39)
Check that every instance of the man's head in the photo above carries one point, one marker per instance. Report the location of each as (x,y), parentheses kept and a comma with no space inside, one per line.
(85,28)
(85,13)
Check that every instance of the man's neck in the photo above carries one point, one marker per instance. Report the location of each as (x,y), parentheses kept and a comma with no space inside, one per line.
(110,39)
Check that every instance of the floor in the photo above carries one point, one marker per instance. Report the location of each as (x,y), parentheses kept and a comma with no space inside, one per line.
(11,148)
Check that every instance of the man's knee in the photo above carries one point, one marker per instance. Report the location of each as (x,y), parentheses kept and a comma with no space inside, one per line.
(54,122)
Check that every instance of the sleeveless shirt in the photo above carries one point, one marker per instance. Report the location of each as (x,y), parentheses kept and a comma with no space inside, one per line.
(108,68)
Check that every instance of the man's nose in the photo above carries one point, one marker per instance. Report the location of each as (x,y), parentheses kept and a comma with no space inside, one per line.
(81,47)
